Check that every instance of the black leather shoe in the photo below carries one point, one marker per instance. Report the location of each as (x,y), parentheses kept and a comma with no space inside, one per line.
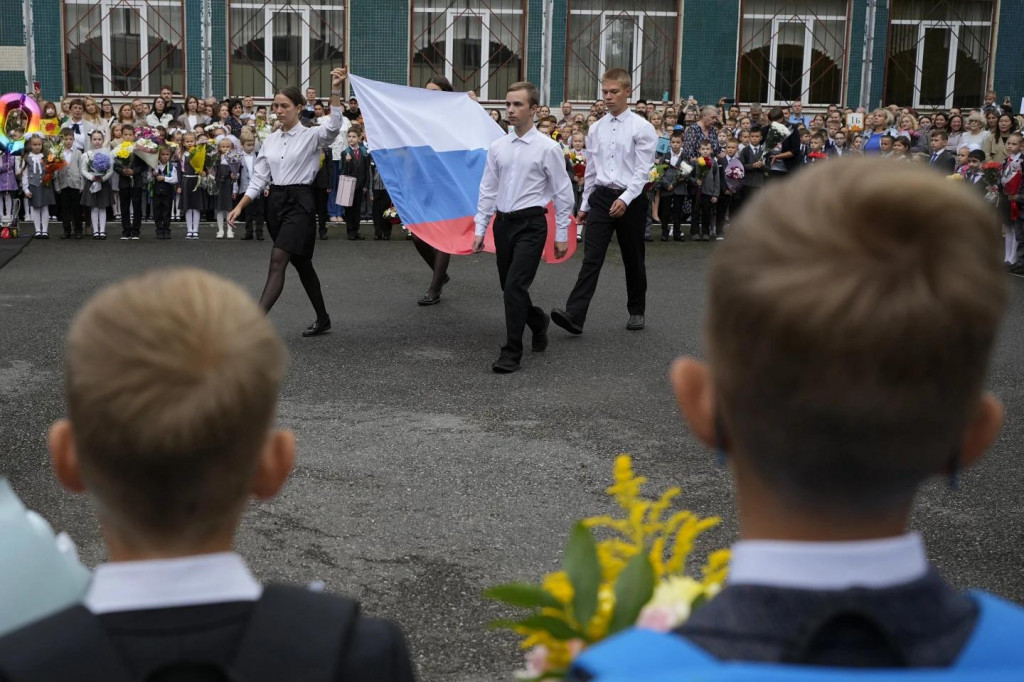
(539,343)
(446,279)
(318,328)
(247,237)
(66,235)
(505,365)
(636,322)
(78,235)
(323,236)
(427,299)
(356,238)
(562,319)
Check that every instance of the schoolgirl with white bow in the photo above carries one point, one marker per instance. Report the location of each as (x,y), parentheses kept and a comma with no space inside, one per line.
(40,196)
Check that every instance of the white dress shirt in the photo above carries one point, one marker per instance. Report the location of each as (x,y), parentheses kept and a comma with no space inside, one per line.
(293,157)
(523,172)
(620,155)
(828,565)
(168,583)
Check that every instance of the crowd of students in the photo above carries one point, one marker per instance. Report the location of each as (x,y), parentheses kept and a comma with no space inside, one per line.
(862,385)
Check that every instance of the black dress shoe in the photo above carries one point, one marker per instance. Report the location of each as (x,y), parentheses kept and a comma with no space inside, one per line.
(65,236)
(356,238)
(505,365)
(636,322)
(664,238)
(323,236)
(446,279)
(540,337)
(318,327)
(562,319)
(78,235)
(247,238)
(427,299)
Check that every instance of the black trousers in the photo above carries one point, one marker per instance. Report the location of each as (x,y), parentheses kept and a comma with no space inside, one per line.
(381,225)
(518,246)
(670,212)
(353,214)
(629,230)
(131,197)
(320,195)
(727,203)
(703,216)
(71,215)
(162,201)
(254,216)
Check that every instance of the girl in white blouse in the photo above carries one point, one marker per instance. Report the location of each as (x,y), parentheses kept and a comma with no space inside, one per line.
(287,163)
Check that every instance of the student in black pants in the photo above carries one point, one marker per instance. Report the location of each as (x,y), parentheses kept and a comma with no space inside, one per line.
(165,186)
(131,188)
(355,162)
(620,152)
(381,202)
(69,183)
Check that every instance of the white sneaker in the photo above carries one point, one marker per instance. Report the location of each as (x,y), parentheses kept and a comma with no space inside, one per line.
(231,234)
(220,234)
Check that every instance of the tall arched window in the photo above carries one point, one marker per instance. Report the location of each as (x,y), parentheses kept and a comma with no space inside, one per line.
(475,44)
(939,52)
(274,44)
(641,36)
(124,47)
(792,51)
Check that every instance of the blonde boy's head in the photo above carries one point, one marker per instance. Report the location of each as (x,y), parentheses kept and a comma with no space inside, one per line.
(848,341)
(172,379)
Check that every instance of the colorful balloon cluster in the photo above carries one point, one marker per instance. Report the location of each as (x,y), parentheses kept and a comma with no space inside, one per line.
(29,111)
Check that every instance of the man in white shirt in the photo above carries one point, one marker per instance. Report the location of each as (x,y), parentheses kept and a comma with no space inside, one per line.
(620,153)
(525,171)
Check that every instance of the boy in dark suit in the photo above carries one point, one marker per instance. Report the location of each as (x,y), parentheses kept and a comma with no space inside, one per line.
(832,421)
(706,199)
(941,159)
(673,188)
(752,157)
(355,162)
(172,383)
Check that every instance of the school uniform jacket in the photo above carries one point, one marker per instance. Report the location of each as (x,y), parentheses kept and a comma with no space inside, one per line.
(748,156)
(71,174)
(359,169)
(945,162)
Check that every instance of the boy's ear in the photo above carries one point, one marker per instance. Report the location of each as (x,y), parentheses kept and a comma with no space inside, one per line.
(982,430)
(64,456)
(691,382)
(275,464)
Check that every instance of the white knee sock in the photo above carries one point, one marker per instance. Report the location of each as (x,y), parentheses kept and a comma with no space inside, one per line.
(1011,247)
(220,223)
(192,221)
(8,204)
(41,220)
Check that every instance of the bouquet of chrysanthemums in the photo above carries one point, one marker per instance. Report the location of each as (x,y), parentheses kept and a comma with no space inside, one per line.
(634,576)
(147,146)
(777,132)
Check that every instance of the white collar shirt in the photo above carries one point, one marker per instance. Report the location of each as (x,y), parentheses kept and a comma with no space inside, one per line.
(621,150)
(169,583)
(525,172)
(872,564)
(292,157)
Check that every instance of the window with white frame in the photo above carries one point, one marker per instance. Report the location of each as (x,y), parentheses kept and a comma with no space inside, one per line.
(123,47)
(939,52)
(277,44)
(641,36)
(476,44)
(792,51)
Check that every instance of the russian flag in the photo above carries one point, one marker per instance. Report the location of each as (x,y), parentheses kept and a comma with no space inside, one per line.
(430,148)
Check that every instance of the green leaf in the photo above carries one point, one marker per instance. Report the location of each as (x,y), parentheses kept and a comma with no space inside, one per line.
(584,572)
(556,627)
(522,594)
(633,589)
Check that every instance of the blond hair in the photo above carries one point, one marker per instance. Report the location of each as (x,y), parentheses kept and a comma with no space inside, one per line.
(849,340)
(172,380)
(620,76)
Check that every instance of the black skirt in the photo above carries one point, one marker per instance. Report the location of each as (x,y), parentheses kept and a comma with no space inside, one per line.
(291,218)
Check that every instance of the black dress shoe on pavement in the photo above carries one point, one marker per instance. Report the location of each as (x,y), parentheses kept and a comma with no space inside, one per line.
(505,365)
(356,238)
(539,343)
(562,319)
(66,235)
(78,235)
(446,279)
(635,323)
(318,328)
(323,236)
(427,299)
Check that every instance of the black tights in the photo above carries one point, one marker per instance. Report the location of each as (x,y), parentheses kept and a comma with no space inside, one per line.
(437,261)
(279,259)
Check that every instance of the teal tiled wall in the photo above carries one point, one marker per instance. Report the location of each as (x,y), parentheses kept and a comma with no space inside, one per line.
(379,40)
(708,67)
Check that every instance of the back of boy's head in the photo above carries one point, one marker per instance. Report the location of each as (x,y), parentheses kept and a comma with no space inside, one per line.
(849,341)
(172,379)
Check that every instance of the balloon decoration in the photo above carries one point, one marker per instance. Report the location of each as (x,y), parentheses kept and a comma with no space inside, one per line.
(16,104)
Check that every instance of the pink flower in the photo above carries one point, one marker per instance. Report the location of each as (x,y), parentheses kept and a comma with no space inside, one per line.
(657,618)
(537,661)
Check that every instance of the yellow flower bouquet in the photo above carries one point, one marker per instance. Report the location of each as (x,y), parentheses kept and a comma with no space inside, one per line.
(633,577)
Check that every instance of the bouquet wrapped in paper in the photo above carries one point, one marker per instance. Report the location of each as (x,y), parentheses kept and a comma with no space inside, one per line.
(704,165)
(147,146)
(53,163)
(776,133)
(634,576)
(655,175)
(991,173)
(734,174)
(98,165)
(578,161)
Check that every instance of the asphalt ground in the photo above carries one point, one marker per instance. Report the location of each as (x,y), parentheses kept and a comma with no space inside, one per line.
(423,477)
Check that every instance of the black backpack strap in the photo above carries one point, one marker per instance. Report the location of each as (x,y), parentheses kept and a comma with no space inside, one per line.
(70,645)
(296,634)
